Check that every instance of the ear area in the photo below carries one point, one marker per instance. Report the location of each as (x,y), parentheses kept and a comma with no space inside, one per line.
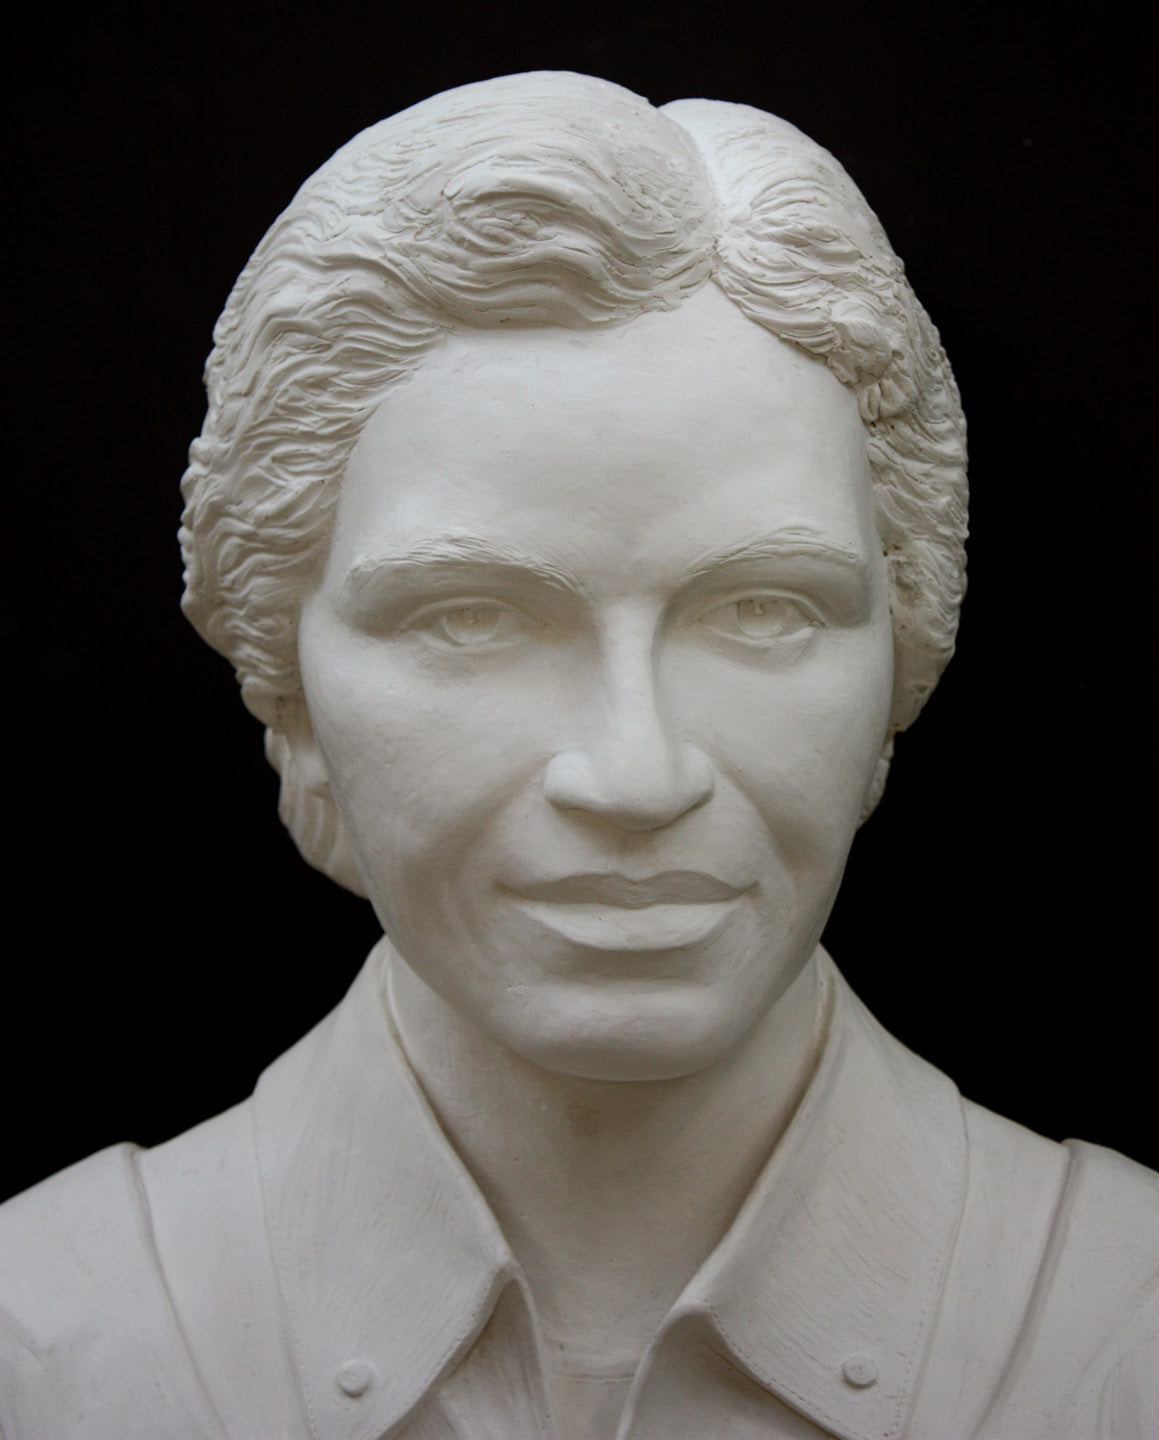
(305,752)
(877,785)
(305,804)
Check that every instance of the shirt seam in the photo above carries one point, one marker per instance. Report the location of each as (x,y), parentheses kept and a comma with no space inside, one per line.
(1036,1302)
(272,1229)
(145,1216)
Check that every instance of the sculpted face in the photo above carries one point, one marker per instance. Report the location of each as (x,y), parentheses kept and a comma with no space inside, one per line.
(599,672)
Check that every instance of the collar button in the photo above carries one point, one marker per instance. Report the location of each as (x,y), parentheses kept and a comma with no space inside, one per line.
(355,1378)
(859,1370)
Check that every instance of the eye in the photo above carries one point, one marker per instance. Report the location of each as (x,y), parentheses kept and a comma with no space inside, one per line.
(761,619)
(486,623)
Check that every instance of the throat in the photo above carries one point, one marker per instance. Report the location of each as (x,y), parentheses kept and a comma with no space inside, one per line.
(611,1195)
(588,1406)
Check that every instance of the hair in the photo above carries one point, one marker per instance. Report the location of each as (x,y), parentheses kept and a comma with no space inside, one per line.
(544,199)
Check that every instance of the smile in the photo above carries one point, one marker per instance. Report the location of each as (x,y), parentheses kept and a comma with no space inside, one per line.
(614,912)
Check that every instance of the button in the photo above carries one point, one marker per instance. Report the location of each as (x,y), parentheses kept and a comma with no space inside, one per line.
(355,1378)
(859,1370)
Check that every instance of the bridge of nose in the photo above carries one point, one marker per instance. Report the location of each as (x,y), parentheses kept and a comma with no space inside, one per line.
(623,754)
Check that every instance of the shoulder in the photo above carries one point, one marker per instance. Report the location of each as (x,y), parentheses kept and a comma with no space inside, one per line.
(1049,1325)
(90,1344)
(1089,1217)
(1091,1337)
(139,1295)
(85,1329)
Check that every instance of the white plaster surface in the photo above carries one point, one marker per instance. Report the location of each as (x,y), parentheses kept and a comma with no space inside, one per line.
(581,503)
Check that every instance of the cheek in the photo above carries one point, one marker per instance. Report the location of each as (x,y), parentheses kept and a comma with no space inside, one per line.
(802,745)
(419,764)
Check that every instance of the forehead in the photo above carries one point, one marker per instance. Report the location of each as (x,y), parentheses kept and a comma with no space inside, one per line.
(679,428)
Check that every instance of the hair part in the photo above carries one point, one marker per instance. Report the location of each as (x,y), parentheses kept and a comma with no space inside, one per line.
(537,200)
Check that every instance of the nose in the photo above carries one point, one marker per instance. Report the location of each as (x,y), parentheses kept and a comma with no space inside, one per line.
(622,760)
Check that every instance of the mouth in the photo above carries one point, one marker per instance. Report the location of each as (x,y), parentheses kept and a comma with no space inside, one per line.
(604,911)
(670,887)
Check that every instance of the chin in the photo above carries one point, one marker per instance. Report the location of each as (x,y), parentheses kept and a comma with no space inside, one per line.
(632,1037)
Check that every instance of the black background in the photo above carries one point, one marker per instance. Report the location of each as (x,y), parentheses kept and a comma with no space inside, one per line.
(164,941)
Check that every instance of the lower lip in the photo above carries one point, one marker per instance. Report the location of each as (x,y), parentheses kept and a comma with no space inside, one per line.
(615,927)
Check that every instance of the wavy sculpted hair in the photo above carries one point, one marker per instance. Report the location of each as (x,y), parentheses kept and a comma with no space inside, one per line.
(536,200)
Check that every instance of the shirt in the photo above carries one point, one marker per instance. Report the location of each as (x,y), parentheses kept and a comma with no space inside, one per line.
(317,1264)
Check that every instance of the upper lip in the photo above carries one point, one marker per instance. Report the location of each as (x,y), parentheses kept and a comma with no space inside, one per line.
(670,887)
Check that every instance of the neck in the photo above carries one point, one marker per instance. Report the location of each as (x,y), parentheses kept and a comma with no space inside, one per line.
(610,1193)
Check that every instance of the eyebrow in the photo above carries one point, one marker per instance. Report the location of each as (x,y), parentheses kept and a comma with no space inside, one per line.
(455,555)
(794,542)
(462,557)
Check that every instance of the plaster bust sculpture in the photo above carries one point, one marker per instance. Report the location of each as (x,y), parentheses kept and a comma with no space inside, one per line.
(581,503)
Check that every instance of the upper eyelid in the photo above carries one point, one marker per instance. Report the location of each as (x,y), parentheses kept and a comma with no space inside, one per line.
(434,608)
(733,595)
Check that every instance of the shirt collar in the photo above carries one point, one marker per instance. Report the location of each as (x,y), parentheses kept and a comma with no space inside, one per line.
(822,1290)
(388,1258)
(826,1283)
